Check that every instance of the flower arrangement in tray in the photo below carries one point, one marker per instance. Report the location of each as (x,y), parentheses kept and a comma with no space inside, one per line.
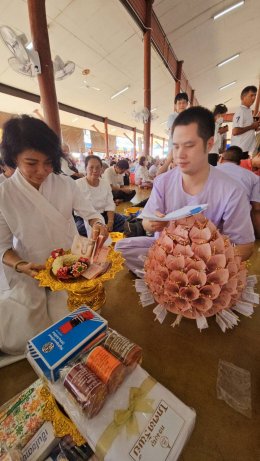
(68,266)
(81,271)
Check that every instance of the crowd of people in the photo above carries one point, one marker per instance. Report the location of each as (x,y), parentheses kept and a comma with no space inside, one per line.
(45,201)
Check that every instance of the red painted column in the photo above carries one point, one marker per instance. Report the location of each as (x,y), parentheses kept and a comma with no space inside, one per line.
(134,143)
(41,44)
(106,138)
(147,74)
(257,102)
(151,145)
(192,97)
(178,78)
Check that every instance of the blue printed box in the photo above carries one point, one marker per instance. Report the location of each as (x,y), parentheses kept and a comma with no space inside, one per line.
(50,350)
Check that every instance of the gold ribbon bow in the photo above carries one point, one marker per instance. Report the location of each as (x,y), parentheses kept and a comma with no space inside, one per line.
(126,418)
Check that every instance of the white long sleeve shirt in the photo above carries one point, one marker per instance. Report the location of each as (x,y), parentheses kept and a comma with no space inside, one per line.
(101,196)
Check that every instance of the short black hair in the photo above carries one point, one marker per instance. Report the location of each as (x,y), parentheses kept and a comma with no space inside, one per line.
(247,89)
(123,164)
(180,97)
(25,133)
(220,109)
(91,157)
(202,117)
(233,154)
(142,160)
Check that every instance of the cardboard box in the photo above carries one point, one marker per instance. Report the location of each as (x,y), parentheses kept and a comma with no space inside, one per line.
(141,420)
(40,444)
(21,417)
(50,350)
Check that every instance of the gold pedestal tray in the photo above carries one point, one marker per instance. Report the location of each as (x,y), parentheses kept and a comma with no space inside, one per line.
(82,291)
(62,425)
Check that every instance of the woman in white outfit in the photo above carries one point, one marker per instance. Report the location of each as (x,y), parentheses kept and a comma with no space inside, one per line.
(99,192)
(36,206)
(142,178)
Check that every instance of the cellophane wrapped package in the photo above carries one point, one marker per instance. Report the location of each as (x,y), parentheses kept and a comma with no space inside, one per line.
(141,420)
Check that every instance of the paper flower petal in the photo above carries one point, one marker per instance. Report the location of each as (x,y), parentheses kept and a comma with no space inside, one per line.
(216,262)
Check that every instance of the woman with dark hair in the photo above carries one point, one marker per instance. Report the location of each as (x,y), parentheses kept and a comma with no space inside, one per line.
(142,178)
(36,206)
(218,112)
(99,192)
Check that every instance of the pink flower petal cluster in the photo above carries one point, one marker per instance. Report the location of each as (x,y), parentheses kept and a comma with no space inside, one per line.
(192,269)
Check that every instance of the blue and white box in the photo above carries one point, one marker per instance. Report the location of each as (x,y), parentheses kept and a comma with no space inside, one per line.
(51,349)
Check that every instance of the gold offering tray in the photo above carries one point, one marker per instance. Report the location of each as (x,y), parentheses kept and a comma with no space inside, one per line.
(80,290)
(116,236)
(131,210)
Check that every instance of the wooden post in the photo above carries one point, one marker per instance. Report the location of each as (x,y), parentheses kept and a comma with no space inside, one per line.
(40,40)
(257,102)
(151,145)
(134,143)
(147,73)
(106,138)
(178,78)
(192,98)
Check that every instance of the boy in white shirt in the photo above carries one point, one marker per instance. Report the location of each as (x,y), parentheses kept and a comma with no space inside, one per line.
(244,127)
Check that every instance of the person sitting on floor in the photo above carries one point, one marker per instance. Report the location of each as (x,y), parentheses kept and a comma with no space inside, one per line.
(252,164)
(142,178)
(192,182)
(36,205)
(99,193)
(153,170)
(229,164)
(5,171)
(67,165)
(114,176)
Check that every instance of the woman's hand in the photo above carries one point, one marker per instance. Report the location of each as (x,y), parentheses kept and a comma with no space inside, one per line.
(30,269)
(110,225)
(99,229)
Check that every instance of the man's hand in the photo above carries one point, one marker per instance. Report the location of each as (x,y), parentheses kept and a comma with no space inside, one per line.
(255,125)
(155,226)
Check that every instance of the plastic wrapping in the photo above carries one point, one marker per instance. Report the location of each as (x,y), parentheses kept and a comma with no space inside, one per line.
(234,387)
(126,351)
(142,420)
(67,451)
(86,388)
(107,367)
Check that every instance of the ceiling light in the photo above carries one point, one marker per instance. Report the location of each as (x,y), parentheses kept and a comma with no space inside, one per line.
(90,87)
(75,119)
(119,92)
(227,85)
(164,122)
(225,102)
(228,60)
(154,109)
(227,10)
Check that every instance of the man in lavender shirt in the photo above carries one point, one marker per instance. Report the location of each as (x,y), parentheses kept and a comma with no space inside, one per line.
(250,182)
(193,181)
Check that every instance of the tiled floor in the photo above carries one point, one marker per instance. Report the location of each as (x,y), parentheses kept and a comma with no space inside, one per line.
(186,362)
